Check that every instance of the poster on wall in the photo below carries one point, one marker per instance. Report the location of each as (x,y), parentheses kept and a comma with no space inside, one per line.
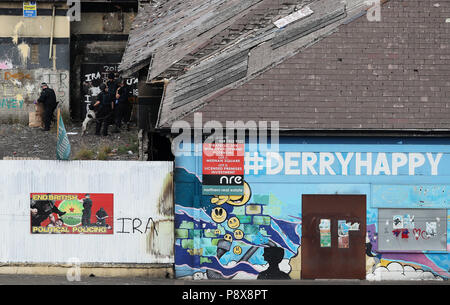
(343,236)
(325,233)
(71,213)
(223,168)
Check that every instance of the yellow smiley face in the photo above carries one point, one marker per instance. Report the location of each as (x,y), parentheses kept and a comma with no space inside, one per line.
(233,222)
(228,237)
(219,199)
(237,250)
(217,232)
(238,234)
(219,214)
(238,200)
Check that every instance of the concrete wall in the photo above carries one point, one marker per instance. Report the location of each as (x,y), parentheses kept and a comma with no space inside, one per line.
(142,224)
(20,89)
(25,60)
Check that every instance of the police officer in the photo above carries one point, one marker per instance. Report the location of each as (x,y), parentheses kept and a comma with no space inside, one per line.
(87,205)
(48,99)
(112,85)
(122,110)
(104,106)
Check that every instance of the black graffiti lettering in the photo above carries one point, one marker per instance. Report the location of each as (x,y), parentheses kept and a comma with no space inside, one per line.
(152,225)
(134,225)
(123,225)
(62,78)
(135,228)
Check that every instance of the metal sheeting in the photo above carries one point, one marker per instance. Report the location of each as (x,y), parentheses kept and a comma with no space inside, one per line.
(141,190)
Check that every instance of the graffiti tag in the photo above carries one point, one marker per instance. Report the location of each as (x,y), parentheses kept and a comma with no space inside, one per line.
(133,225)
(11,103)
(18,76)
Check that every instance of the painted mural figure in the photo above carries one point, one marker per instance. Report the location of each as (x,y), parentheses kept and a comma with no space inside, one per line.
(48,99)
(274,256)
(41,210)
(87,205)
(101,216)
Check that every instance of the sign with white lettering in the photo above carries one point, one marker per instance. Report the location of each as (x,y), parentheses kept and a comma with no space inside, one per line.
(342,163)
(223,168)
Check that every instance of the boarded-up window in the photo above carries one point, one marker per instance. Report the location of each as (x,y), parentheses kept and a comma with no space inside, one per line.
(34,54)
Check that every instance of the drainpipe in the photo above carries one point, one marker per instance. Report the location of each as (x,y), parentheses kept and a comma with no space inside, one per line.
(51,34)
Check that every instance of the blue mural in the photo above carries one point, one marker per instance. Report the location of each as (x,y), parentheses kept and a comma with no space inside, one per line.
(258,235)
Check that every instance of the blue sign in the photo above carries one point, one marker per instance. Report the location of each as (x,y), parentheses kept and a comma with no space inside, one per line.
(30,9)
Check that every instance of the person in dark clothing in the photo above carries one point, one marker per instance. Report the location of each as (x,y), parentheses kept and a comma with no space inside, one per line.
(48,99)
(41,210)
(101,218)
(87,205)
(112,85)
(112,89)
(122,110)
(104,112)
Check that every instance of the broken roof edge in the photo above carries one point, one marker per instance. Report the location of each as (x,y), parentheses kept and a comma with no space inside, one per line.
(131,70)
(291,48)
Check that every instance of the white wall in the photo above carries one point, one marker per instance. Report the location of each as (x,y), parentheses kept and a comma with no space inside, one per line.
(136,187)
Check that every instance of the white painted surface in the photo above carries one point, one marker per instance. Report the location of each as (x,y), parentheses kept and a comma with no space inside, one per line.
(136,187)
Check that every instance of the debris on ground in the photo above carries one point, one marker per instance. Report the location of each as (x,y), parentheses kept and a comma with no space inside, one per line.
(19,141)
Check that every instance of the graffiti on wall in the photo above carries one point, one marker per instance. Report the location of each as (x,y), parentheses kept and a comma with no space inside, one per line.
(6,65)
(95,74)
(20,89)
(11,103)
(258,236)
(233,237)
(58,81)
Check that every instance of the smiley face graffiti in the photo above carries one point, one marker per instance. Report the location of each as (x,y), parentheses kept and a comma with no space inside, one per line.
(219,200)
(228,237)
(238,234)
(219,214)
(237,250)
(236,200)
(233,222)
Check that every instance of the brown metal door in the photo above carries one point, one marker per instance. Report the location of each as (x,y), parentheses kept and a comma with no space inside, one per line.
(337,252)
